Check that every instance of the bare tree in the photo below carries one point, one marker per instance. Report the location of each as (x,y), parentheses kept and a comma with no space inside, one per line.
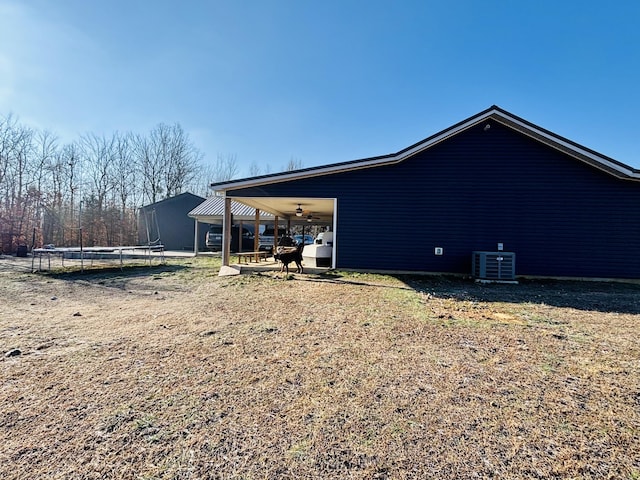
(149,168)
(125,189)
(16,195)
(182,160)
(71,165)
(105,177)
(45,156)
(99,154)
(7,127)
(226,167)
(53,219)
(254,170)
(294,164)
(167,161)
(201,184)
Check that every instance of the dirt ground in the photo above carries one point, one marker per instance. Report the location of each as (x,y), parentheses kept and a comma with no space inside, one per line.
(172,372)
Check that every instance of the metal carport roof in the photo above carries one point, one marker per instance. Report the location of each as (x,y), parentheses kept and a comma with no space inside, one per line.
(212,211)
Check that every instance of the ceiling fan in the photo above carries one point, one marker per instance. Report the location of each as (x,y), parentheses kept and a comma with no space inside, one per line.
(306,214)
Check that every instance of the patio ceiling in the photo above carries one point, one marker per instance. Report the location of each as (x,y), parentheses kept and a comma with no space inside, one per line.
(320,209)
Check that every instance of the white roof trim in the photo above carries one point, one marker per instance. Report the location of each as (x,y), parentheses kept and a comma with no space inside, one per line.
(579,151)
(549,138)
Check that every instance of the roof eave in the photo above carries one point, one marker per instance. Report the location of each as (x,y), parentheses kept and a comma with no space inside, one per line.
(584,154)
(573,149)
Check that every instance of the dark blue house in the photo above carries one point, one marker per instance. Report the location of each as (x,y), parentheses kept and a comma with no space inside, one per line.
(491,183)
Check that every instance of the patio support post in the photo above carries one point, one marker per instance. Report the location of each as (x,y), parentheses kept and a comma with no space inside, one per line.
(226,232)
(195,238)
(256,231)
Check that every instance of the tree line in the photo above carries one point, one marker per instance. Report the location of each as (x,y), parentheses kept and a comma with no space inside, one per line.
(51,191)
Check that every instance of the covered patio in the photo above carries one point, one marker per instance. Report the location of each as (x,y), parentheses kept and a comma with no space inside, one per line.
(281,212)
(287,212)
(211,211)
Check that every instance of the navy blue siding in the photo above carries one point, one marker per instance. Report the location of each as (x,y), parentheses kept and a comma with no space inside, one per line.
(561,216)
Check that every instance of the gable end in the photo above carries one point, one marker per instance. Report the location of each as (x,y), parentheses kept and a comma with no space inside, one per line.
(494,113)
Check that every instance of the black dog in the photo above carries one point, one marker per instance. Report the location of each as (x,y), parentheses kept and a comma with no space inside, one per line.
(288,256)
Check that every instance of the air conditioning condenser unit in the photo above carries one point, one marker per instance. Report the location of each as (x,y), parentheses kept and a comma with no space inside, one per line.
(493,265)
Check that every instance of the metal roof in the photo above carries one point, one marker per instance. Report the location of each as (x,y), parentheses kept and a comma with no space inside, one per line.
(595,159)
(212,209)
(320,210)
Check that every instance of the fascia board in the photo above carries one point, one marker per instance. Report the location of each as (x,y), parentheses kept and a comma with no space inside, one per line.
(356,165)
(577,151)
(581,153)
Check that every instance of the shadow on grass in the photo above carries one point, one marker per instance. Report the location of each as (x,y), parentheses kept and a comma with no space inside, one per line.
(609,297)
(115,276)
(606,297)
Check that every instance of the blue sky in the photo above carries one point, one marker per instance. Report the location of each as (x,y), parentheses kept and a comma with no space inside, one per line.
(321,82)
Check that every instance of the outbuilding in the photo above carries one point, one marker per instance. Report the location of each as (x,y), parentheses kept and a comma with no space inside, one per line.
(166,222)
(492,184)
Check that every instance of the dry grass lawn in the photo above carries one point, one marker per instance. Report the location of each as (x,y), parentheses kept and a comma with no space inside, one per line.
(172,372)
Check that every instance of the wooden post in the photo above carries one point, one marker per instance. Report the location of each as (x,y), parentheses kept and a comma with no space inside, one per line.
(195,239)
(256,231)
(275,233)
(226,232)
